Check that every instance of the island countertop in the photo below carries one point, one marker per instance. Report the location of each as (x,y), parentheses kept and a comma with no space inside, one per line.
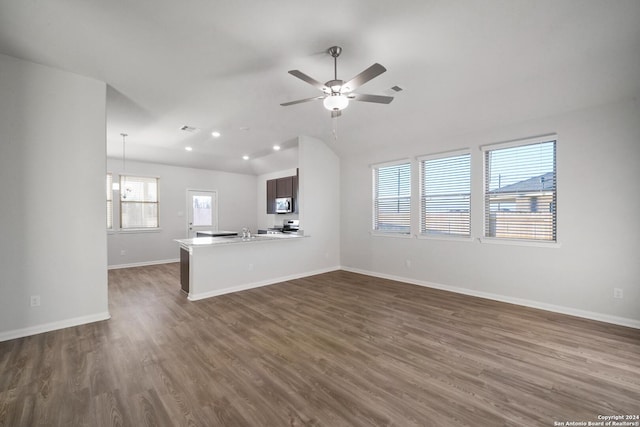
(214,241)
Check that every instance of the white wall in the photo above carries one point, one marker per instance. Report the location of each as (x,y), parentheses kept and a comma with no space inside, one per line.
(236,209)
(52,166)
(598,164)
(319,196)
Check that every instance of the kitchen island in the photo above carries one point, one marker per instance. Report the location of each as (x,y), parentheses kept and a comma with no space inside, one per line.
(211,266)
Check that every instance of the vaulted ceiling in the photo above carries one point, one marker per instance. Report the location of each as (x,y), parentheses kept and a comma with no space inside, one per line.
(222,65)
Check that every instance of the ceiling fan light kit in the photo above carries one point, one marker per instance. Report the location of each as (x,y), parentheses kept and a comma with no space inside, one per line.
(337,93)
(336,102)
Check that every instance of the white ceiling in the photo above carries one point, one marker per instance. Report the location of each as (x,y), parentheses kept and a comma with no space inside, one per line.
(222,65)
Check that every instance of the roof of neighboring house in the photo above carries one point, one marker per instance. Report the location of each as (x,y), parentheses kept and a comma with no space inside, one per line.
(536,183)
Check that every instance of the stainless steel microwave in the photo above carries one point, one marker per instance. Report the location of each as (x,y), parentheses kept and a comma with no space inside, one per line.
(284,205)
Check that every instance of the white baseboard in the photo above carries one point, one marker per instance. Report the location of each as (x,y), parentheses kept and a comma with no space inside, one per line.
(143,264)
(52,326)
(244,287)
(607,318)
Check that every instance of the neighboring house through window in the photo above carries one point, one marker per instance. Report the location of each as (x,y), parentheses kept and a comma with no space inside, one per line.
(520,190)
(392,198)
(138,202)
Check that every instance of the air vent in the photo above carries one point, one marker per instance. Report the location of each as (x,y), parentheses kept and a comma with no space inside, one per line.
(190,129)
(396,88)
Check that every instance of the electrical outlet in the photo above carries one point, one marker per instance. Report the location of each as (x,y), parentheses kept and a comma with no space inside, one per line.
(123,252)
(407,263)
(617,293)
(250,267)
(35,300)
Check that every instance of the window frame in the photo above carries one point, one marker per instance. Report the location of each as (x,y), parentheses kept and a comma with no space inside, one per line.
(485,192)
(374,187)
(123,177)
(109,191)
(421,176)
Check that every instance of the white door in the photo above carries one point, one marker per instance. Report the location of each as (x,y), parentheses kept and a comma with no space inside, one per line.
(202,208)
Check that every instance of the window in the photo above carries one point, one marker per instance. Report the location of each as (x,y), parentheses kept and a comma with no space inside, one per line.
(109,201)
(445,195)
(520,190)
(138,202)
(392,198)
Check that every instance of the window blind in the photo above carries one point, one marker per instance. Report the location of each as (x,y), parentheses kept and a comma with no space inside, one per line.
(520,191)
(138,202)
(392,198)
(445,202)
(109,201)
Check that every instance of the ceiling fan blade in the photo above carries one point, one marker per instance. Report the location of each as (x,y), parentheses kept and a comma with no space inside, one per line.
(336,113)
(380,99)
(313,82)
(300,101)
(374,71)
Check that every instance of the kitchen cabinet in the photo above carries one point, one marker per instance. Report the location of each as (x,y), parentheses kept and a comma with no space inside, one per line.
(184,270)
(271,196)
(282,187)
(294,193)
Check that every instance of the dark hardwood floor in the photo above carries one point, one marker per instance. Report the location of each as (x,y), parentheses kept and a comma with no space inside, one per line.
(338,349)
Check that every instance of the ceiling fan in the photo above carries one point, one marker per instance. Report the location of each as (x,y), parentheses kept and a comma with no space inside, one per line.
(338,93)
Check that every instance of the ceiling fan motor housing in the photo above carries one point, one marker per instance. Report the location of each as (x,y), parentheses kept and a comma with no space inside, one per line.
(335,51)
(335,86)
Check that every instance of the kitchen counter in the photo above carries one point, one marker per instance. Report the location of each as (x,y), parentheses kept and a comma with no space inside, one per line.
(210,241)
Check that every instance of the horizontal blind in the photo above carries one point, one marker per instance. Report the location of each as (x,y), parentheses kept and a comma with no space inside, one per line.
(392,199)
(520,192)
(445,188)
(138,202)
(109,201)
(138,189)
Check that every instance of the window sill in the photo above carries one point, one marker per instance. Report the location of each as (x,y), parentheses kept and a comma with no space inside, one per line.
(516,242)
(138,230)
(396,235)
(449,238)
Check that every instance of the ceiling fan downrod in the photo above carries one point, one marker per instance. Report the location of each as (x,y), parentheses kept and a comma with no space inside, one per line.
(335,51)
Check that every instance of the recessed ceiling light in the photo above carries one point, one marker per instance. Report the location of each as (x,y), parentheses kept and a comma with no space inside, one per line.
(276,147)
(188,148)
(245,157)
(215,134)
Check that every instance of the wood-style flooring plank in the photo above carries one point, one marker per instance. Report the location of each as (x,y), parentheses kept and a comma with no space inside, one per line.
(337,349)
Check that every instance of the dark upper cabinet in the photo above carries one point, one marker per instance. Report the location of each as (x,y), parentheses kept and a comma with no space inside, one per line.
(294,184)
(271,196)
(284,187)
